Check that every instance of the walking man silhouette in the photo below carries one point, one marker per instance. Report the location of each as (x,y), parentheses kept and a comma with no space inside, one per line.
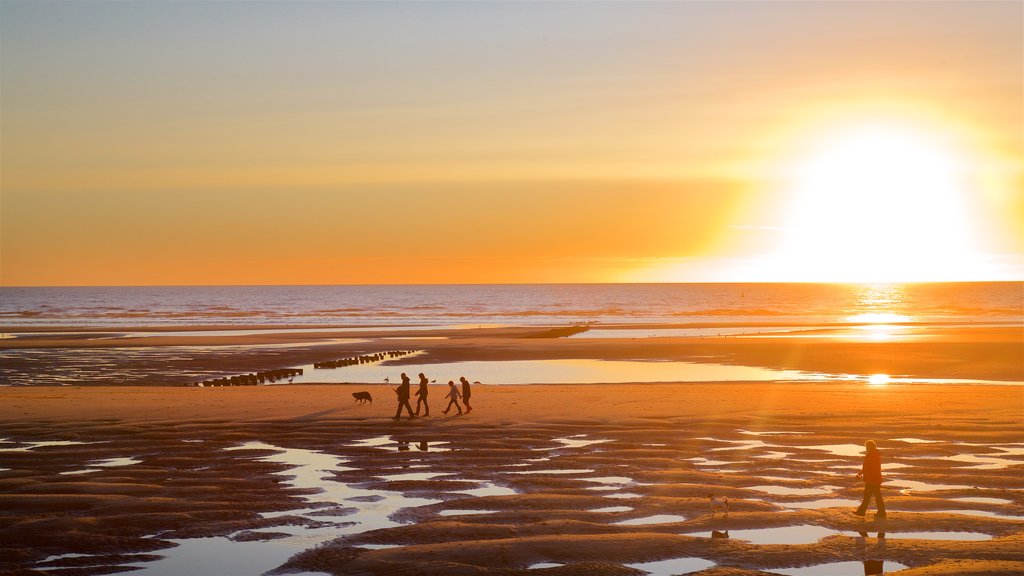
(421,393)
(403,398)
(871,471)
(453,393)
(466,392)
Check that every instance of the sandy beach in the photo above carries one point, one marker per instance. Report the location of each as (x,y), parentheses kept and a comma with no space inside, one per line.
(585,479)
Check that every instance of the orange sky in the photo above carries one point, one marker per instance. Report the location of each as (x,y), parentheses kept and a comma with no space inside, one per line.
(281,143)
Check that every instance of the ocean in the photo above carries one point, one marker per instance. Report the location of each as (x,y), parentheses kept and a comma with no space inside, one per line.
(529,304)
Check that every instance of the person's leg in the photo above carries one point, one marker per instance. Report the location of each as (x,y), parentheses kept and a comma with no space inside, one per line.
(446,410)
(864,503)
(408,407)
(457,407)
(879,503)
(466,402)
(426,407)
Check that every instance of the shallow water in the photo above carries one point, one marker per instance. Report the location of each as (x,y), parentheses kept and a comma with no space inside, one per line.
(959,536)
(573,371)
(788,491)
(801,534)
(656,519)
(465,512)
(822,503)
(611,509)
(838,569)
(673,566)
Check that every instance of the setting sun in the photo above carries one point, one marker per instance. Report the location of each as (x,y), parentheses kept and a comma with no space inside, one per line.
(877,202)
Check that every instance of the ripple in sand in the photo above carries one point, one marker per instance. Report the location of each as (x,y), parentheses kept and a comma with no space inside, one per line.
(26,446)
(838,568)
(488,489)
(611,509)
(656,519)
(673,566)
(822,503)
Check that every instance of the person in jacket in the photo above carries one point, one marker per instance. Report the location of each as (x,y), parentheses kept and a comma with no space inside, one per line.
(403,398)
(421,393)
(466,392)
(871,471)
(453,393)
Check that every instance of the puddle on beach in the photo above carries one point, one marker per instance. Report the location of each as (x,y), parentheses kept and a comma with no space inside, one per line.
(577,441)
(801,534)
(540,565)
(985,462)
(464,512)
(390,444)
(554,471)
(308,470)
(623,496)
(871,567)
(983,500)
(609,480)
(487,489)
(673,566)
(611,509)
(983,513)
(958,536)
(918,486)
(656,519)
(787,491)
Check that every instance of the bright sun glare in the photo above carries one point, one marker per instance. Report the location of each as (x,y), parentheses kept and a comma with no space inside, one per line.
(878,203)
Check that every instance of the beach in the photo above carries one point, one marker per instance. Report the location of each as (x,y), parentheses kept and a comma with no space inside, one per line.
(584,479)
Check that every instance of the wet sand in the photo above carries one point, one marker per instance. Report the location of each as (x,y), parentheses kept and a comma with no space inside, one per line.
(593,479)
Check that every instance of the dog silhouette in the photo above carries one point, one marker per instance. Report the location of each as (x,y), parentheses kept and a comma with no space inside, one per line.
(362,397)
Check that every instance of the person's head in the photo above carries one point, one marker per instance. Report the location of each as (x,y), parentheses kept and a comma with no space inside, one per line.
(404,377)
(870,445)
(422,376)
(451,383)
(462,379)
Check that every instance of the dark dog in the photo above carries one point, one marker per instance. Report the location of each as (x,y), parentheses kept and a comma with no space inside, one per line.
(362,397)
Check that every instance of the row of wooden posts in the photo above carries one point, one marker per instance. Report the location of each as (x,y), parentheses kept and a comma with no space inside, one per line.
(364,359)
(267,376)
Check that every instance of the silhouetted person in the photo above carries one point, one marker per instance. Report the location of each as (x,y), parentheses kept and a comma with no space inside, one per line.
(421,393)
(453,393)
(403,398)
(871,471)
(466,393)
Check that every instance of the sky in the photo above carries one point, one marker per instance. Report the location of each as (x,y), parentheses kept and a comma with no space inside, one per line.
(178,143)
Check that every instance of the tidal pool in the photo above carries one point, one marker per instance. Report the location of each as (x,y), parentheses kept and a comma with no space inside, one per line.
(673,566)
(656,519)
(843,568)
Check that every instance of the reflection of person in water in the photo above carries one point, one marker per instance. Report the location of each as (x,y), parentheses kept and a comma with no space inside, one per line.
(872,566)
(421,392)
(871,471)
(403,397)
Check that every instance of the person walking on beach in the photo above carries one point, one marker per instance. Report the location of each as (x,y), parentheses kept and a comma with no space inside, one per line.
(453,393)
(403,398)
(421,393)
(466,392)
(871,471)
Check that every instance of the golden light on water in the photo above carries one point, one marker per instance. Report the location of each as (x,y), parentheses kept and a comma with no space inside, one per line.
(878,379)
